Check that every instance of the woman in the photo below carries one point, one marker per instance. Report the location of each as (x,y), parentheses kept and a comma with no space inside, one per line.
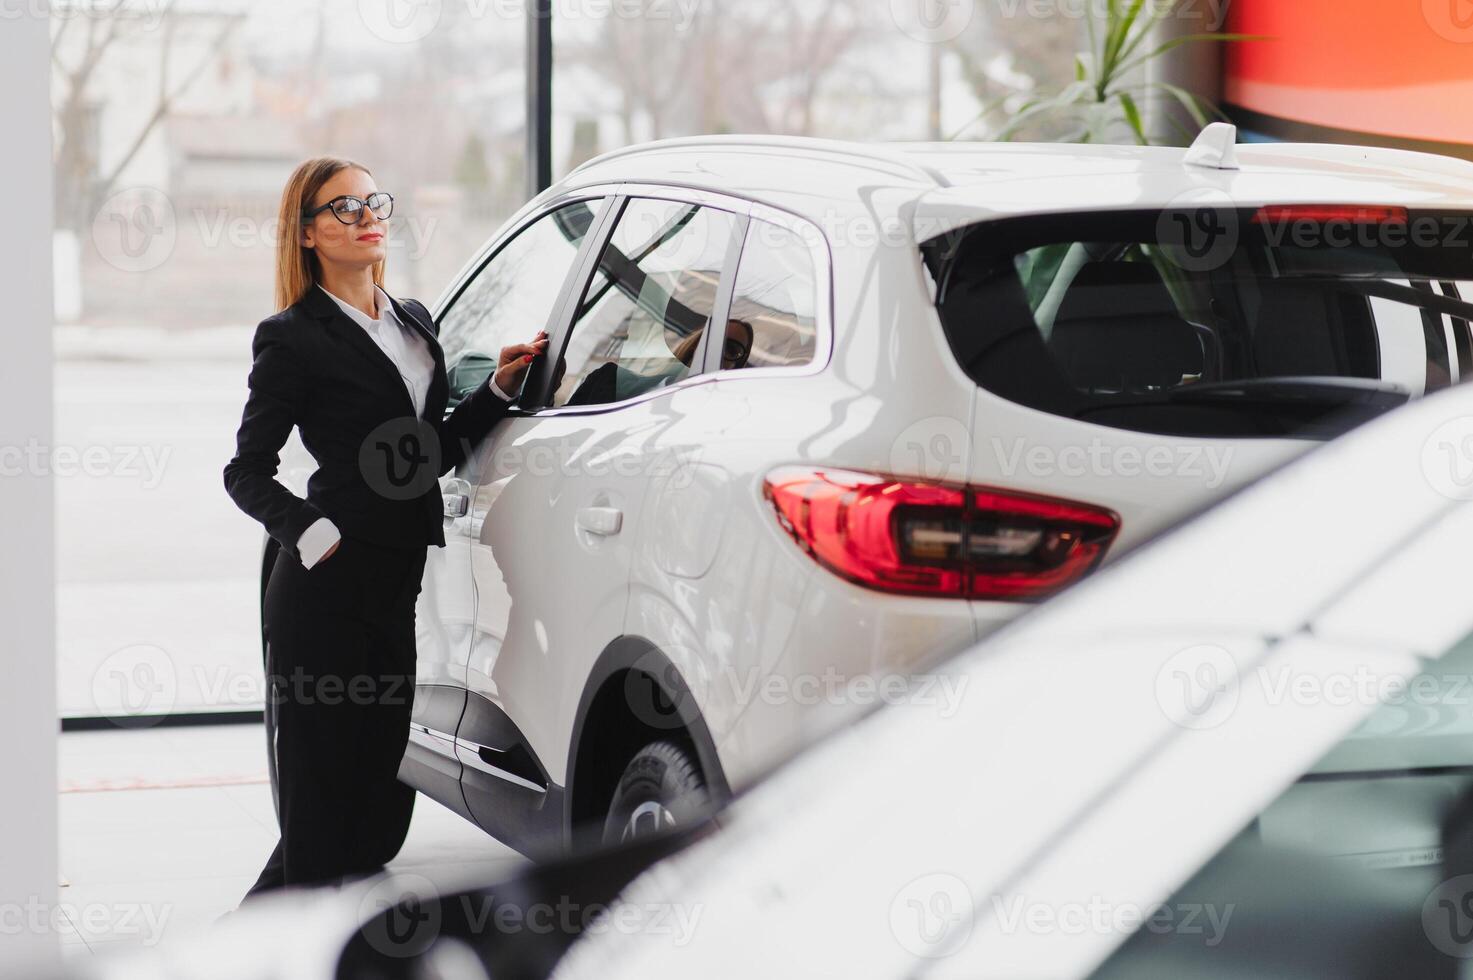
(362,377)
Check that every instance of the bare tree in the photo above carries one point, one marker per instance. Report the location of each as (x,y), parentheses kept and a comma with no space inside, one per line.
(652,65)
(1033,52)
(81,183)
(759,65)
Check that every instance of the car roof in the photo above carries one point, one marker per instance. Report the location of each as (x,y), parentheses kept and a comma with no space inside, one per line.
(952,184)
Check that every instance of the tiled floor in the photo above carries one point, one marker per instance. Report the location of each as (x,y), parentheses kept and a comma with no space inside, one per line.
(163,830)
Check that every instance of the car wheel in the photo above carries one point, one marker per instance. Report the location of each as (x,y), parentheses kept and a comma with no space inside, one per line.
(661,788)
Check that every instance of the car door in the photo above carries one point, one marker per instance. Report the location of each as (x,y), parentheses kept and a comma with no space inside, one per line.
(559,498)
(506,299)
(708,588)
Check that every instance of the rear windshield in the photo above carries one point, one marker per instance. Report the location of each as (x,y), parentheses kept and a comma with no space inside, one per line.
(1297,322)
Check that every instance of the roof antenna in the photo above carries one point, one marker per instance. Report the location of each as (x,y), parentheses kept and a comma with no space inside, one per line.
(1215,148)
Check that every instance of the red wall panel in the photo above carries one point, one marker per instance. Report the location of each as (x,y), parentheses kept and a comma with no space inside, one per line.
(1400,68)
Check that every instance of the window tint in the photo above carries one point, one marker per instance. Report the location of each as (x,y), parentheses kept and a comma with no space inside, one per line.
(773,305)
(512,296)
(1383,818)
(640,324)
(1102,318)
(1460,331)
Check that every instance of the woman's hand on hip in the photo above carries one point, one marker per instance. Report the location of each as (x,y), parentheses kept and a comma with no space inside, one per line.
(512,366)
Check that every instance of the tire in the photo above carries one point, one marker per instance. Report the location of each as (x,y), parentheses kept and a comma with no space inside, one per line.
(661,788)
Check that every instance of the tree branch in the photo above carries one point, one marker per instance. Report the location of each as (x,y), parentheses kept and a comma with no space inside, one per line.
(166,102)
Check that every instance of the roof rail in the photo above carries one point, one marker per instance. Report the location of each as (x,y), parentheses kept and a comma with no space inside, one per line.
(874,152)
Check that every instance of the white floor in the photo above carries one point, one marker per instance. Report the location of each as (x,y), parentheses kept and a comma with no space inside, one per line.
(163,830)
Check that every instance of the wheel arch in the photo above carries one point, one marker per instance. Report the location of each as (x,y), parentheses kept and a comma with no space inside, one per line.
(626,669)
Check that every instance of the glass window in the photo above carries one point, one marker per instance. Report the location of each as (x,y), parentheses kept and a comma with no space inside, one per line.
(773,305)
(1460,331)
(1269,331)
(639,327)
(1381,821)
(512,296)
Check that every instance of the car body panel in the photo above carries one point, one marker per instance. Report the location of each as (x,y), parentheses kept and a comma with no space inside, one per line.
(1109,789)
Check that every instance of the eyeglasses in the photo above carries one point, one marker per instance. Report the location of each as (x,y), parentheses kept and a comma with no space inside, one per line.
(349,209)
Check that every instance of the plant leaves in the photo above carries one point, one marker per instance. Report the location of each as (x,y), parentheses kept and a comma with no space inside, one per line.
(1177,42)
(1133,116)
(1196,107)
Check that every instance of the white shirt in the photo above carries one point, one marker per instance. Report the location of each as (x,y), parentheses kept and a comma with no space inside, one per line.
(400,343)
(411,356)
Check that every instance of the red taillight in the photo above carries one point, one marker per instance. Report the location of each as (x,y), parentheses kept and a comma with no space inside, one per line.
(1356,214)
(929,539)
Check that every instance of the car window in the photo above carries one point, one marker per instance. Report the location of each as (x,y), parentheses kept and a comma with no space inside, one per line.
(639,325)
(774,301)
(512,296)
(1459,330)
(1384,819)
(1297,332)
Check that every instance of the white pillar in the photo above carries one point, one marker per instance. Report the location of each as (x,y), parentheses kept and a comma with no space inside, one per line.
(28,720)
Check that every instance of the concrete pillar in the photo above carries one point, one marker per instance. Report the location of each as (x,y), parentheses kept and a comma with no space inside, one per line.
(28,720)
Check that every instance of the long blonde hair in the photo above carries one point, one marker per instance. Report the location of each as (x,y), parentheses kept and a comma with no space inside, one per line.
(297,268)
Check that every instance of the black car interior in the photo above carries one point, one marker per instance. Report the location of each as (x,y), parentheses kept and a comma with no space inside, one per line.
(1275,340)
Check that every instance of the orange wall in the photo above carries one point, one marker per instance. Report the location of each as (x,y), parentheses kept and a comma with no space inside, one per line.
(1393,67)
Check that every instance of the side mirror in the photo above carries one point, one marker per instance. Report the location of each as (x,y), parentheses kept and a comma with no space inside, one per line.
(469,372)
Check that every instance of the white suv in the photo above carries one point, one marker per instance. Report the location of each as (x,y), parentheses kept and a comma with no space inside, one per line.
(951,379)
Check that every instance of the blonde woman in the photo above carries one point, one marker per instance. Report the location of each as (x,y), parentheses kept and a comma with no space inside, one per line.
(362,377)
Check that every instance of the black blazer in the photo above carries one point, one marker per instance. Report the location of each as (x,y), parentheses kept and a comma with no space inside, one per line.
(378,464)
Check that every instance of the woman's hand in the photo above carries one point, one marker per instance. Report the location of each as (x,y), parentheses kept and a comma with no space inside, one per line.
(514,361)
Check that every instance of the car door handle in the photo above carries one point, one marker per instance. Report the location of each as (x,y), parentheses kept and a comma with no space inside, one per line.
(455,496)
(603,521)
(456,504)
